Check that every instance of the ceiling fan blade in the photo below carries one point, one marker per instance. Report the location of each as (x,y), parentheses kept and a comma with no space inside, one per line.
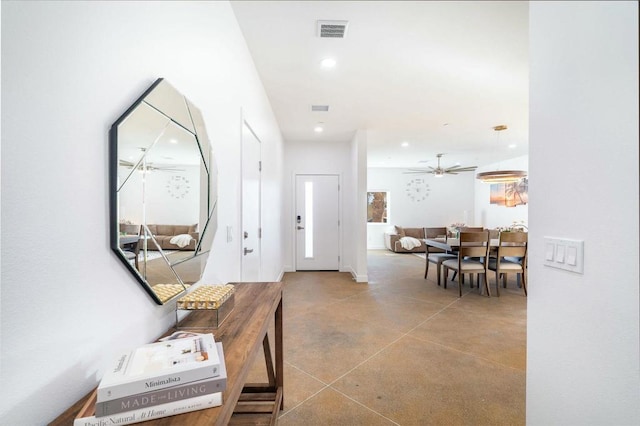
(125,163)
(467,169)
(457,166)
(455,172)
(165,169)
(416,172)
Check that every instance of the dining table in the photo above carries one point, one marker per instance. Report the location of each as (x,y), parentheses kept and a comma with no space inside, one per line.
(451,245)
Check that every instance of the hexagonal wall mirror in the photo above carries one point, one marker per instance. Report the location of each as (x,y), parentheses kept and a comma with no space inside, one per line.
(162,192)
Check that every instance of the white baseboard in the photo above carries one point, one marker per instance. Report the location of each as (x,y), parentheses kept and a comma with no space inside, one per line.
(281,275)
(362,278)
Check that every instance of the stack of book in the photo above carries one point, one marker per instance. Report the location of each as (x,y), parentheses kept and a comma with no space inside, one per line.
(183,372)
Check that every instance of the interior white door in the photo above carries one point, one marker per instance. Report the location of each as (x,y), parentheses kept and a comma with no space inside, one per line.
(317,224)
(251,194)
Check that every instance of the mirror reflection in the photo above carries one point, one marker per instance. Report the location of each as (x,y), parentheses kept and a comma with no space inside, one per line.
(162,205)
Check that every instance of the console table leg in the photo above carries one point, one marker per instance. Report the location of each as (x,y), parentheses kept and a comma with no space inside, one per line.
(279,353)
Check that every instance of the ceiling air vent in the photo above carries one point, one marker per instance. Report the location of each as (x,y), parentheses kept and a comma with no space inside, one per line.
(332,29)
(322,108)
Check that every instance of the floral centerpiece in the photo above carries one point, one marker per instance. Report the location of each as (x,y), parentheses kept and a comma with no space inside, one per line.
(453,230)
(516,226)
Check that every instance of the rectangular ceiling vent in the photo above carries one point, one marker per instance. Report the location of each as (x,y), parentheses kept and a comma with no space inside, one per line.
(321,108)
(332,29)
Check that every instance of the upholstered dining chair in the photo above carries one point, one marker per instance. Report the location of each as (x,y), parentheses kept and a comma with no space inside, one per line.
(512,245)
(433,254)
(469,229)
(472,258)
(132,250)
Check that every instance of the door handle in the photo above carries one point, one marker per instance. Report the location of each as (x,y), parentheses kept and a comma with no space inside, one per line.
(246,235)
(247,251)
(300,227)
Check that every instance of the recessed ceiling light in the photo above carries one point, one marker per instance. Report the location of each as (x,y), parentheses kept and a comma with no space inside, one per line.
(317,129)
(328,63)
(513,145)
(404,144)
(173,141)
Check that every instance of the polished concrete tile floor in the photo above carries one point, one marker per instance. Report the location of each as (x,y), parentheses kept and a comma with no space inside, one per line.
(400,350)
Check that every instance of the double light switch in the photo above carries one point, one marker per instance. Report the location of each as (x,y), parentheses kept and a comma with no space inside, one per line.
(563,253)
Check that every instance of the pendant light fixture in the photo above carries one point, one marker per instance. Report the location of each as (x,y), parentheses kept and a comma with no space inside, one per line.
(501,176)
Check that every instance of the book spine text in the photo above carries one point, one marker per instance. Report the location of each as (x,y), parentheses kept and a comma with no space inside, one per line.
(156,412)
(121,390)
(163,396)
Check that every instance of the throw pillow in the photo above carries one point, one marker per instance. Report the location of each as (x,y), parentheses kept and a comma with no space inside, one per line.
(400,231)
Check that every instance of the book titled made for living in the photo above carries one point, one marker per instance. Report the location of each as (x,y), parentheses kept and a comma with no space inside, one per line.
(167,395)
(86,418)
(160,365)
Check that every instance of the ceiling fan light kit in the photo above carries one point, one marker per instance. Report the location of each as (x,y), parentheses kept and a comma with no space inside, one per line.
(501,176)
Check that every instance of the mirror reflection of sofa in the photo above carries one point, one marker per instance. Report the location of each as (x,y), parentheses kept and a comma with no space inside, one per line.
(163,234)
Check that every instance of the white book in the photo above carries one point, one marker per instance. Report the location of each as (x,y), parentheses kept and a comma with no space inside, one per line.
(164,396)
(149,413)
(160,365)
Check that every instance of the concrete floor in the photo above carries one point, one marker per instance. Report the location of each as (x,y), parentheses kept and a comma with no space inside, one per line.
(400,350)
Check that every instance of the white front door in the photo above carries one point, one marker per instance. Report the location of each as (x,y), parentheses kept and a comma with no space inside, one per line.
(251,193)
(317,223)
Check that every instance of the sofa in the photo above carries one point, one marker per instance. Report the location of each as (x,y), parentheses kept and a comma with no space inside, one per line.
(392,239)
(164,233)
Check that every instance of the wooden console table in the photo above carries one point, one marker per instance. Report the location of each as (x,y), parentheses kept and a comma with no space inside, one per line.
(244,333)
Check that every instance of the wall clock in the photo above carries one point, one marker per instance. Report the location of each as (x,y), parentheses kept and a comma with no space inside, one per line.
(178,186)
(417,189)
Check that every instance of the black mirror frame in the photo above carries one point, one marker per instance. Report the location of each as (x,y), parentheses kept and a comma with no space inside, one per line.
(114,229)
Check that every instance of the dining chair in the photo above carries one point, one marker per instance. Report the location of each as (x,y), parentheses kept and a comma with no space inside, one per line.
(472,258)
(513,245)
(433,254)
(469,229)
(132,250)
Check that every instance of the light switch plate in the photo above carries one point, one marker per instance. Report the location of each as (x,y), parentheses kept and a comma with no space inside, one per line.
(567,254)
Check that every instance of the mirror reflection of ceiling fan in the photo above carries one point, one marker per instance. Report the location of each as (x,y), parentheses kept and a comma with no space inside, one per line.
(440,171)
(149,167)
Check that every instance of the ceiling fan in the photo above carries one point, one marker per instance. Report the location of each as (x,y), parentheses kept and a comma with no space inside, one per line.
(439,171)
(149,167)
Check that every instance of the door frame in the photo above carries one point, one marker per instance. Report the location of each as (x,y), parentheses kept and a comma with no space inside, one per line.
(244,122)
(293,224)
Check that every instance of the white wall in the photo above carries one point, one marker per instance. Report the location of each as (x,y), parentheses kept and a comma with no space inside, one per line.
(583,357)
(492,215)
(161,206)
(323,158)
(68,71)
(313,158)
(450,200)
(358,250)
